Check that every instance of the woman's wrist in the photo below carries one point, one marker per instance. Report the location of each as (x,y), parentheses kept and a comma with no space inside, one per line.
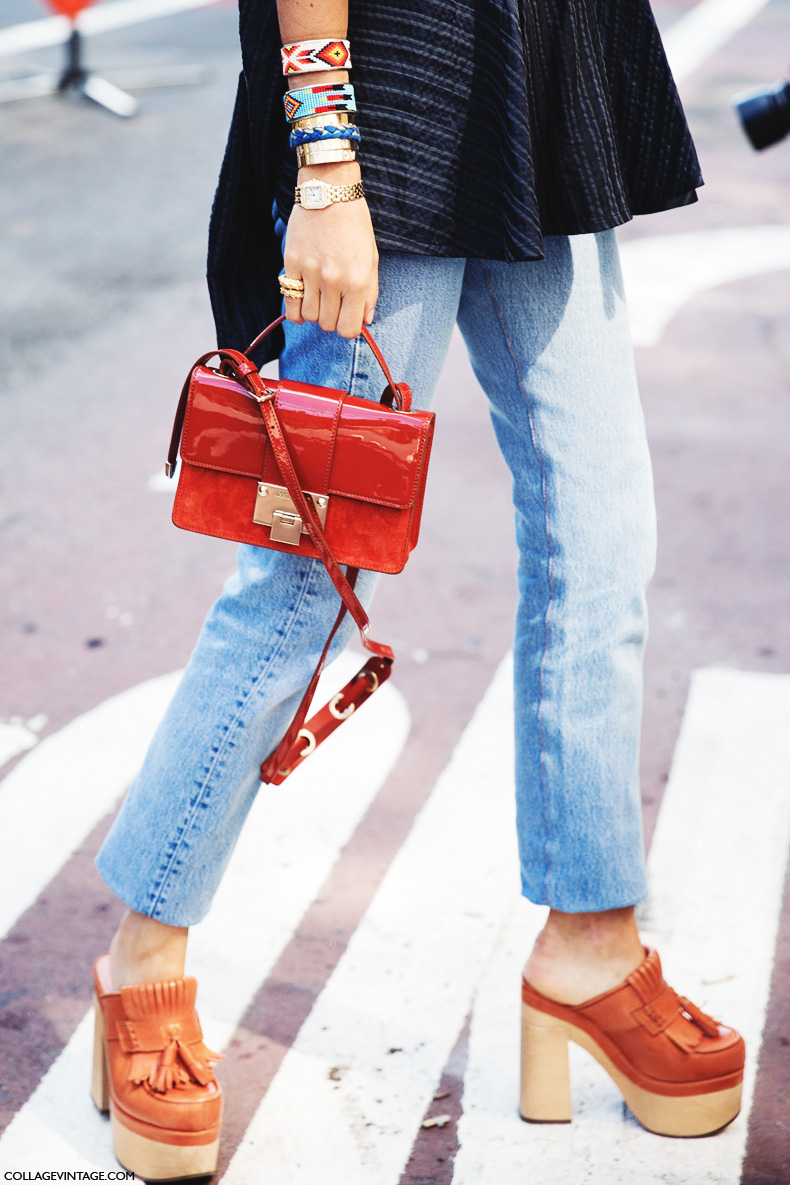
(338,173)
(317,78)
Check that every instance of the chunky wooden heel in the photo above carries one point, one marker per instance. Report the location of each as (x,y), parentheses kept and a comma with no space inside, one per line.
(100,1090)
(153,1073)
(545,1079)
(152,1160)
(679,1071)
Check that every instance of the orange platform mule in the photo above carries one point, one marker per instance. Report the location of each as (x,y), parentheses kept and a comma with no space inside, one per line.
(678,1070)
(155,1076)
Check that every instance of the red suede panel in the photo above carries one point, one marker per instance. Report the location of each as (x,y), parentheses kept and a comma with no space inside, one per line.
(358,533)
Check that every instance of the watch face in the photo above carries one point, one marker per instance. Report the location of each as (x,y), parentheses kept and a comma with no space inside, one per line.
(313,195)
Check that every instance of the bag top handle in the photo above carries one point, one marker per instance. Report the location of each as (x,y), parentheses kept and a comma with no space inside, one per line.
(399,392)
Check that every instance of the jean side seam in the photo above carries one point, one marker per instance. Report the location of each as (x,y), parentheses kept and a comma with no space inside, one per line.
(550,574)
(352,377)
(166,870)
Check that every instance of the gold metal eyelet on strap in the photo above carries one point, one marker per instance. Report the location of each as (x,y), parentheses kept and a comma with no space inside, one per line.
(311,744)
(311,741)
(374,681)
(335,711)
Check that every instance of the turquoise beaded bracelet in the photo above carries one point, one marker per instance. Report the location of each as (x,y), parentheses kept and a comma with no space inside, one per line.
(319,100)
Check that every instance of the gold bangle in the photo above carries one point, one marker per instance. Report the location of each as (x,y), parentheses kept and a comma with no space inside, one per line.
(308,155)
(318,152)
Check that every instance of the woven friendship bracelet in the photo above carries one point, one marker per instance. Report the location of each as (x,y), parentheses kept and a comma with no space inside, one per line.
(345,132)
(306,57)
(318,100)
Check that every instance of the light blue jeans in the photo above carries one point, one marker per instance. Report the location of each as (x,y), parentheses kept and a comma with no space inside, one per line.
(549,342)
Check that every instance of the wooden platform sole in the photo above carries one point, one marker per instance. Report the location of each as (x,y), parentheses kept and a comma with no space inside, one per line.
(153,1161)
(545,1084)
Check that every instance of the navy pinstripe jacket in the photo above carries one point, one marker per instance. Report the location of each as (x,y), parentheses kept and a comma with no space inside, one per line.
(486,124)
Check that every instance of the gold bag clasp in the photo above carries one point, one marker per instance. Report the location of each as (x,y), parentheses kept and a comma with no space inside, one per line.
(274,508)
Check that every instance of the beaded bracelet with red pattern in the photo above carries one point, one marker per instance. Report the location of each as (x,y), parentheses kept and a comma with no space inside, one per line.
(306,57)
(319,100)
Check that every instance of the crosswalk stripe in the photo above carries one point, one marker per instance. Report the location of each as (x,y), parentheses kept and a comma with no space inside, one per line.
(662,272)
(62,788)
(352,1090)
(290,842)
(14,739)
(716,874)
(704,30)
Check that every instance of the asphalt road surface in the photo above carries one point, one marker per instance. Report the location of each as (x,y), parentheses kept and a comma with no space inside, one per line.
(370,924)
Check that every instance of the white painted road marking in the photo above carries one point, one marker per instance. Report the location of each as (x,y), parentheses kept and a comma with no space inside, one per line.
(53,30)
(72,779)
(352,1090)
(661,273)
(289,844)
(703,31)
(716,874)
(14,739)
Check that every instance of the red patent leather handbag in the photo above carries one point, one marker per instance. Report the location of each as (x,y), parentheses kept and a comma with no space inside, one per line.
(312,471)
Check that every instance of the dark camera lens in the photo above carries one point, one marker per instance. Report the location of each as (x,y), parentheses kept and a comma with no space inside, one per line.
(765,113)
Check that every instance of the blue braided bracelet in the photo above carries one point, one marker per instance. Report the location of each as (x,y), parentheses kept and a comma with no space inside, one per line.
(344,131)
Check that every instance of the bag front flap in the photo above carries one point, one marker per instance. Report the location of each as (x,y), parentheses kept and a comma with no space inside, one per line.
(338,444)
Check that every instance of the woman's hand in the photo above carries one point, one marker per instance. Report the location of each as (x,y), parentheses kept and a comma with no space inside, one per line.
(333,251)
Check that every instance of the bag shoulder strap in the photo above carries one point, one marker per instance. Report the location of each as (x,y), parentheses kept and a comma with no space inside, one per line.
(302,739)
(299,741)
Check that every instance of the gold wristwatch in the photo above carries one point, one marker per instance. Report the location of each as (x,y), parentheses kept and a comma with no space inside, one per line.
(317,195)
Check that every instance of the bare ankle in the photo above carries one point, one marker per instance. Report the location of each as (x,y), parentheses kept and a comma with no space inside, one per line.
(145,950)
(579,956)
(606,934)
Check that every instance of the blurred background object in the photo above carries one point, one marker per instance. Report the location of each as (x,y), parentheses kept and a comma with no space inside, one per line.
(75,79)
(69,8)
(764,113)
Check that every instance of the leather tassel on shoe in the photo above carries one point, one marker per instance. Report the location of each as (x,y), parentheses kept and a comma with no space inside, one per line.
(154,1074)
(678,1069)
